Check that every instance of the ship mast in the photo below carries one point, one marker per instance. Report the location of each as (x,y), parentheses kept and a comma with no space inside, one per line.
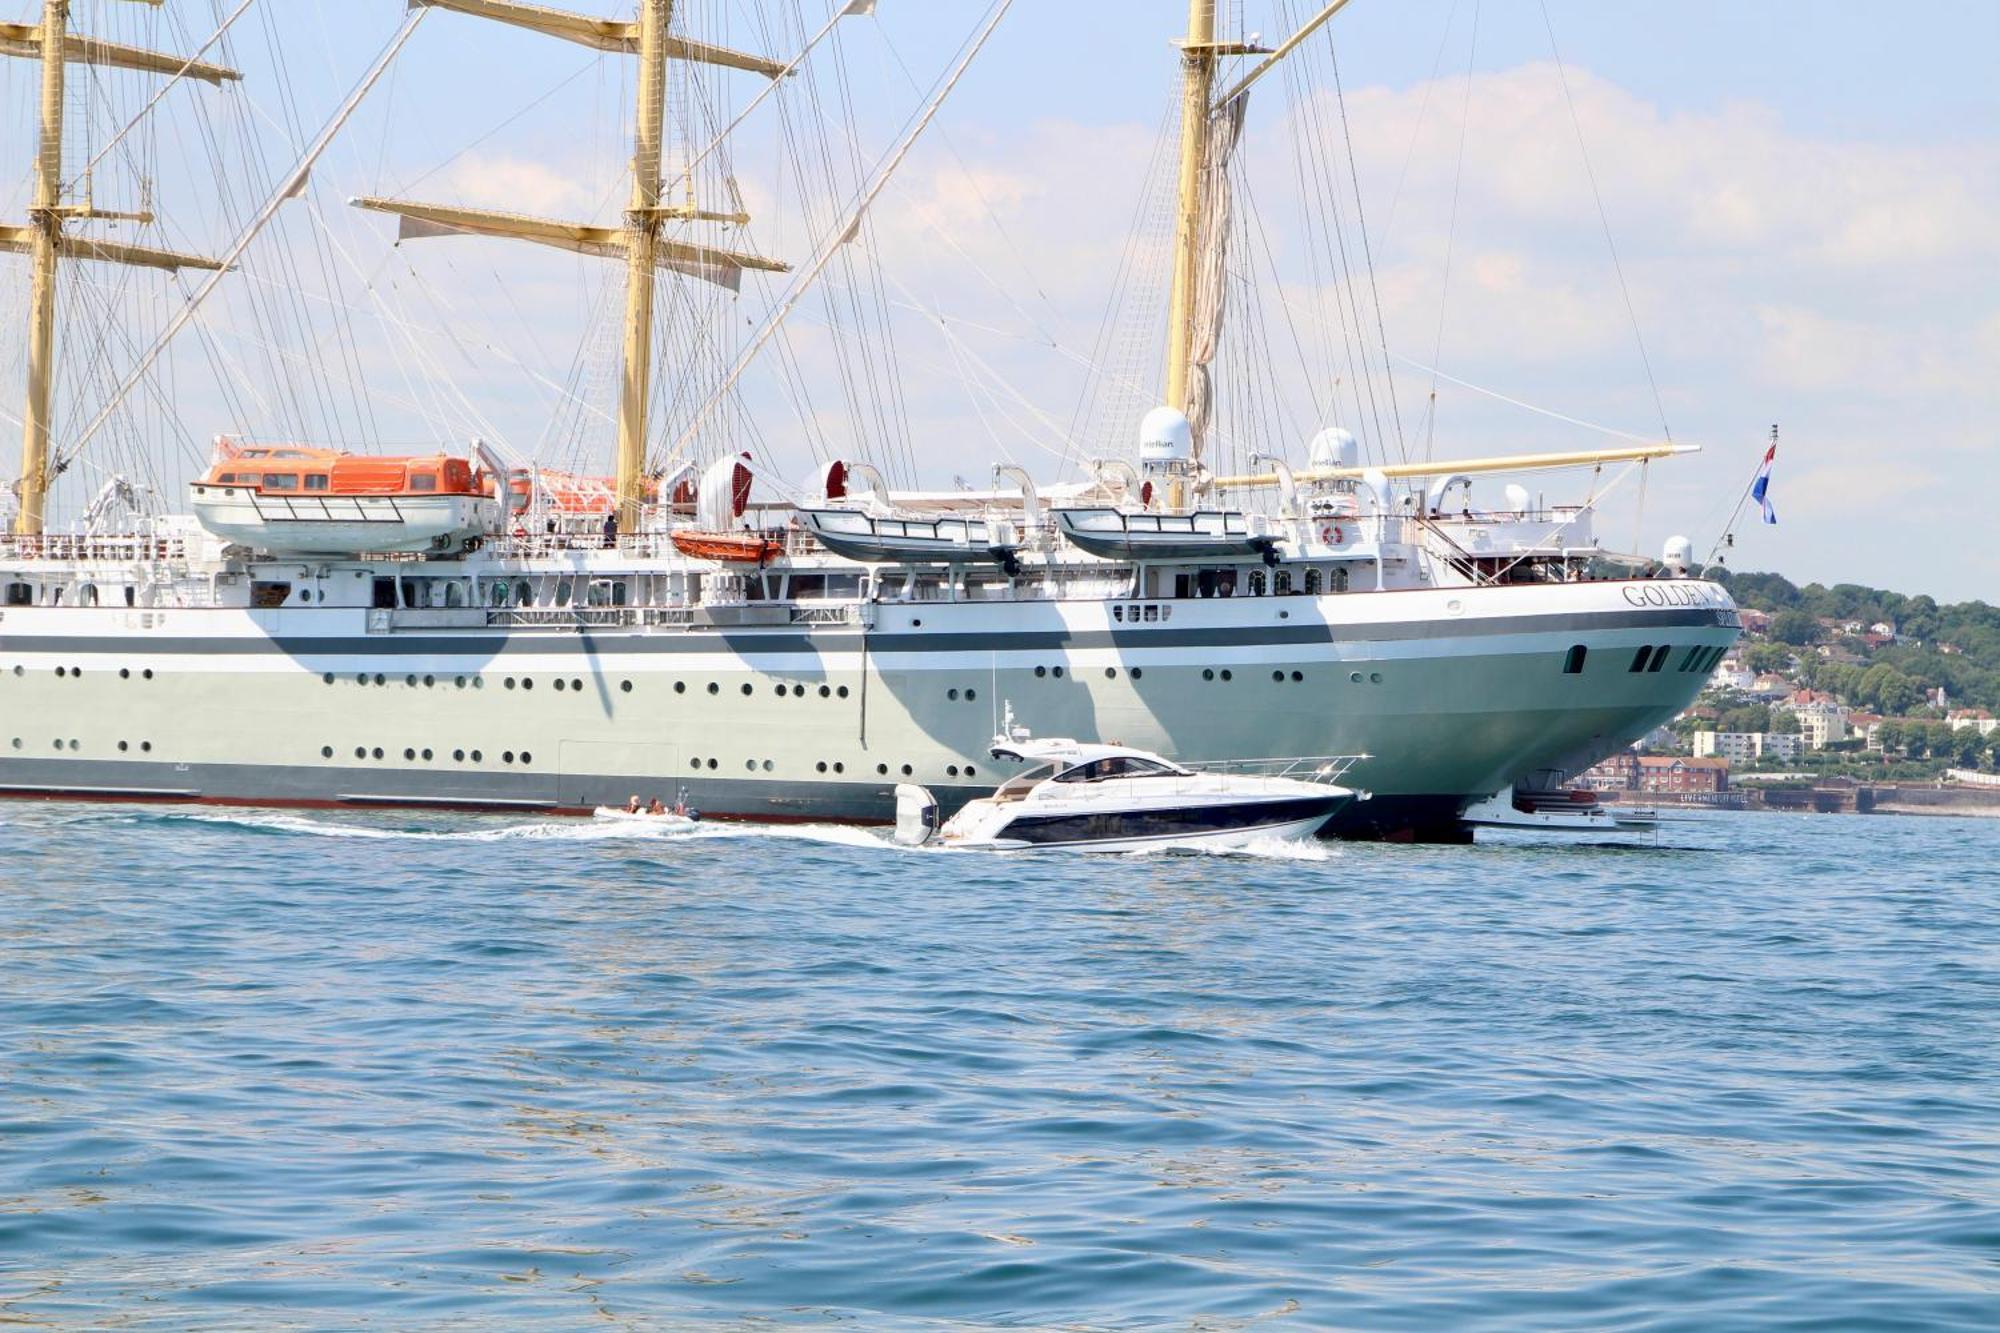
(1198,56)
(639,242)
(44,239)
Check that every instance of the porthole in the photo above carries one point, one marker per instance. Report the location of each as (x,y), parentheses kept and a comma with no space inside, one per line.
(561,684)
(882,768)
(458,756)
(767,766)
(430,681)
(951,770)
(124,745)
(125,673)
(361,679)
(680,687)
(1208,673)
(410,679)
(916,624)
(378,678)
(61,672)
(624,687)
(1056,672)
(479,682)
(746,687)
(147,674)
(1041,671)
(1278,676)
(1226,675)
(360,752)
(577,685)
(970,695)
(820,767)
(1354,676)
(509,682)
(1374,678)
(376,752)
(1111,673)
(714,688)
(326,752)
(951,695)
(711,765)
(527,682)
(19,670)
(458,681)
(409,753)
(1298,677)
(17,742)
(507,756)
(72,743)
(824,691)
(1136,673)
(842,691)
(476,756)
(527,758)
(968,770)
(694,763)
(906,770)
(145,747)
(839,767)
(57,742)
(427,756)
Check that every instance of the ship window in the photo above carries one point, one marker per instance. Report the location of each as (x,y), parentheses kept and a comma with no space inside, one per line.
(1374,678)
(1057,672)
(714,688)
(430,680)
(842,691)
(1659,657)
(507,756)
(146,674)
(950,770)
(1312,583)
(820,767)
(409,753)
(711,765)
(326,752)
(305,594)
(476,756)
(1153,614)
(410,679)
(1687,659)
(882,768)
(970,695)
(680,687)
(527,682)
(746,687)
(694,763)
(20,594)
(1137,672)
(280,481)
(458,755)
(1208,673)
(270,594)
(839,767)
(1281,582)
(145,747)
(624,687)
(1572,660)
(563,590)
(427,755)
(1298,676)
(316,481)
(1118,613)
(1277,675)
(124,745)
(376,752)
(424,481)
(1225,673)
(906,770)
(1041,671)
(951,694)
(824,691)
(561,684)
(1639,658)
(527,758)
(384,594)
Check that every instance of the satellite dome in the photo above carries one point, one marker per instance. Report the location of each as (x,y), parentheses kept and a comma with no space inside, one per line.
(1333,447)
(1165,436)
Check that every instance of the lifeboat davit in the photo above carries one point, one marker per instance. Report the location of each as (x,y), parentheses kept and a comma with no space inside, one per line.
(293,499)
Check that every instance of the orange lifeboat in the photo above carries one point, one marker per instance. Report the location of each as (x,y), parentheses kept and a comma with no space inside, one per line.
(296,499)
(747,548)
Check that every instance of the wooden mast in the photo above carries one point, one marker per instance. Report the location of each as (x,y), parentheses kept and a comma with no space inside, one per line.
(1197,80)
(45,229)
(642,230)
(43,238)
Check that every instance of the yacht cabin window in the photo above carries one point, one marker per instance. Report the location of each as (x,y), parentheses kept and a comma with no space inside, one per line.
(1117,766)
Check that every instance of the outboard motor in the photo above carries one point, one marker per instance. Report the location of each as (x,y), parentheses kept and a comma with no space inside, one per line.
(916,815)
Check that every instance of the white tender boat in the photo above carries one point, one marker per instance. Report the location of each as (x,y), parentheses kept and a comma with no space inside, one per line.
(676,818)
(881,538)
(1111,798)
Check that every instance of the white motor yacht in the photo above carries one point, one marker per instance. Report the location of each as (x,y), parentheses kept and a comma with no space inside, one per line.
(1088,796)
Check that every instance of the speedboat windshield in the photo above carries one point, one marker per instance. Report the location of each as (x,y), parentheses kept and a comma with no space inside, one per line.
(1119,766)
(1018,785)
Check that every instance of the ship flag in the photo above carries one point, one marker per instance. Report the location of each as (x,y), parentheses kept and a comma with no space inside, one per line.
(1760,488)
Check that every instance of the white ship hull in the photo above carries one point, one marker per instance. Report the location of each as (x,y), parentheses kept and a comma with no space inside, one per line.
(1454,693)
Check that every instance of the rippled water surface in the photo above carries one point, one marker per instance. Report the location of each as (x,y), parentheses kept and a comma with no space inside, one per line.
(268,1070)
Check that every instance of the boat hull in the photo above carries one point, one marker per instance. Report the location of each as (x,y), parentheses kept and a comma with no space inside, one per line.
(355,706)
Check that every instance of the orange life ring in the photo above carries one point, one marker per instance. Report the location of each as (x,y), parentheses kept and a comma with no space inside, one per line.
(1329,534)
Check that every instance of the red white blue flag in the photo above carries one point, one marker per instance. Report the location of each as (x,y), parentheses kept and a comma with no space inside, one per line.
(1760,488)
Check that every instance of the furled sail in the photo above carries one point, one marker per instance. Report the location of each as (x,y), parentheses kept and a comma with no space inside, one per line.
(1225,128)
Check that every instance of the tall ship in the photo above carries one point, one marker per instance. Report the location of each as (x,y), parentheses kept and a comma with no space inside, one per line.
(452,627)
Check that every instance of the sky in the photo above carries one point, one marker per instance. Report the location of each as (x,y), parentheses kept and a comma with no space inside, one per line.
(1800,197)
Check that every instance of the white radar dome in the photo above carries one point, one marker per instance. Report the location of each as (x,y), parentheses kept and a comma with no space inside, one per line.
(1165,437)
(1333,447)
(1677,555)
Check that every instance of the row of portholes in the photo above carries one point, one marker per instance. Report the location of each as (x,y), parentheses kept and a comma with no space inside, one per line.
(765,765)
(76,673)
(72,744)
(781,689)
(970,695)
(574,683)
(1110,673)
(412,754)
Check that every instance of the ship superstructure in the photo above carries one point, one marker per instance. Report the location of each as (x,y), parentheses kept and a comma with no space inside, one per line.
(454,631)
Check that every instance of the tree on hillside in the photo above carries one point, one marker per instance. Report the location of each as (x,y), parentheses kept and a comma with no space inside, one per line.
(1796,628)
(1767,657)
(1993,751)
(1887,690)
(1783,721)
(1890,736)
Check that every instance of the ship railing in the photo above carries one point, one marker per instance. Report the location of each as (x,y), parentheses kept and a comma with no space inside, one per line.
(833,613)
(567,616)
(1326,768)
(70,547)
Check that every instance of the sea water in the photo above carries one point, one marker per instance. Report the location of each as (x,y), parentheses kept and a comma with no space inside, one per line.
(275,1070)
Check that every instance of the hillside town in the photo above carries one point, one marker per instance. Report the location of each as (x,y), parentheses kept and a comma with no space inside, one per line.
(1835,687)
